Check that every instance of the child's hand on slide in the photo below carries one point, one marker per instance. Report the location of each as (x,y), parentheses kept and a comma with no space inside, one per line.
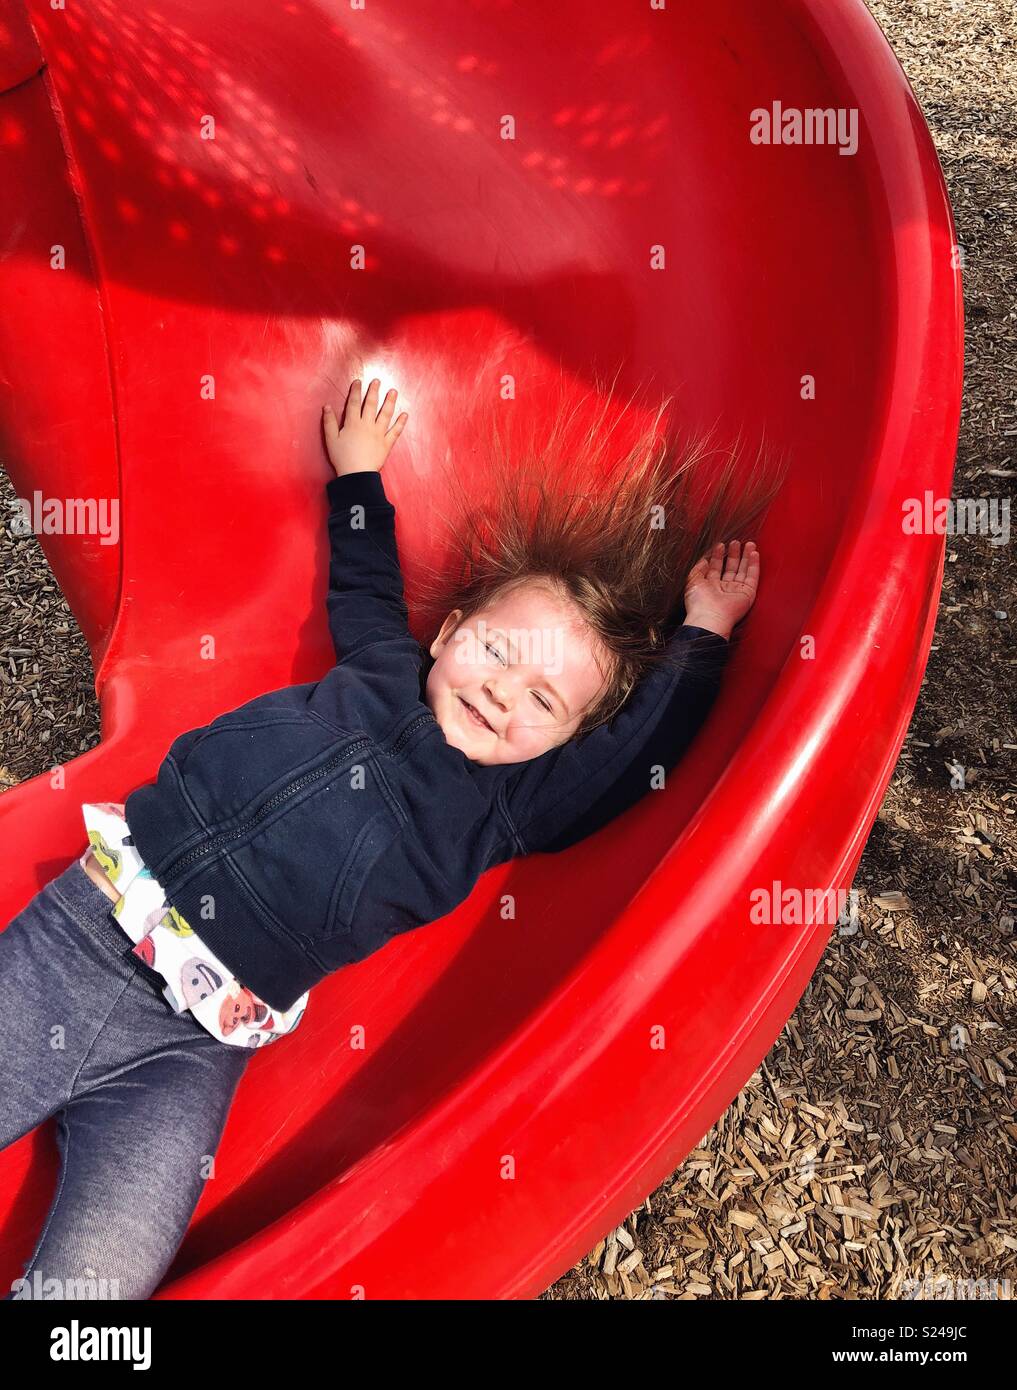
(364,441)
(721,589)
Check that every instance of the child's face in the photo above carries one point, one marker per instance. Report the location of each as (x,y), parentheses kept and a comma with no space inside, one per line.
(529,665)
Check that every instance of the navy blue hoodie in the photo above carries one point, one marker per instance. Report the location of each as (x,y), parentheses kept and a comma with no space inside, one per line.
(302,830)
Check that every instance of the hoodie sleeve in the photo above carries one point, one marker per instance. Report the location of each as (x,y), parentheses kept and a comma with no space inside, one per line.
(365,582)
(572,791)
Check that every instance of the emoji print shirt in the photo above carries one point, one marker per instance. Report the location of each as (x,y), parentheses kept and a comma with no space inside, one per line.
(195,978)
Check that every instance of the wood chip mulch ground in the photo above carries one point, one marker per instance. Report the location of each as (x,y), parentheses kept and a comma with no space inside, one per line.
(873,1153)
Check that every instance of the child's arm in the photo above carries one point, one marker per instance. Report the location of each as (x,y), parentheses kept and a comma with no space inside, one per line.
(365,598)
(365,583)
(567,794)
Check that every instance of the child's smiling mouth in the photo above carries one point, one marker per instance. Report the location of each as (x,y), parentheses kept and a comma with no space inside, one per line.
(476,716)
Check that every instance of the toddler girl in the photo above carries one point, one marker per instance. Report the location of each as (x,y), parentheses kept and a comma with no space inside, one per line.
(299,832)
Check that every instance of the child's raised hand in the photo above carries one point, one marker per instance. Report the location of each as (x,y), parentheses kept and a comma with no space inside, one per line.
(364,441)
(721,587)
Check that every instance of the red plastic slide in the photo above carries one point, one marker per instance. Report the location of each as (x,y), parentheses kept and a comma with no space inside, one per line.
(214,216)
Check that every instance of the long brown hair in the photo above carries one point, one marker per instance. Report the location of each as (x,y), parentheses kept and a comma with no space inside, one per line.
(614,527)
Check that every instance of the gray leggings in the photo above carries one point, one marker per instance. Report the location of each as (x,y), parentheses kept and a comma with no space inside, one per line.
(141,1094)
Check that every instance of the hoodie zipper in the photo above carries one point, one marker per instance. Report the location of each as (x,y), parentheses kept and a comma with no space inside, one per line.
(225,836)
(426,718)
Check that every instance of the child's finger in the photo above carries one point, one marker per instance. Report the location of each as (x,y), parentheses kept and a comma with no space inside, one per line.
(728,560)
(732,559)
(749,561)
(331,425)
(387,407)
(697,572)
(397,428)
(371,399)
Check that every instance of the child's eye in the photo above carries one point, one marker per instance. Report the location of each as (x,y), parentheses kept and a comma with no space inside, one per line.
(542,701)
(495,650)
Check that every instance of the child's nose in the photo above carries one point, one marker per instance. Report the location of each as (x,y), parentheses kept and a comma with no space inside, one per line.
(498,692)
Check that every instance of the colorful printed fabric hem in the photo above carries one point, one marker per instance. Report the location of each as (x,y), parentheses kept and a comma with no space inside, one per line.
(195,978)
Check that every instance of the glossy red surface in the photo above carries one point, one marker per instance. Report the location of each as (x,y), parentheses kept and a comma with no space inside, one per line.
(509,1106)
